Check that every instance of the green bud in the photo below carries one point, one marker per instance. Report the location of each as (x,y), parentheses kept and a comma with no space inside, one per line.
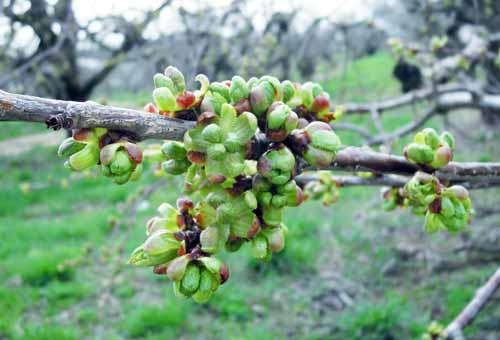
(216,151)
(459,192)
(221,89)
(447,208)
(164,99)
(210,240)
(212,133)
(121,164)
(85,158)
(272,216)
(278,201)
(191,280)
(433,223)
(276,239)
(288,90)
(212,102)
(250,200)
(177,267)
(161,80)
(261,97)
(177,78)
(175,167)
(280,122)
(178,291)
(239,89)
(206,287)
(306,94)
(431,137)
(442,156)
(419,153)
(448,138)
(277,165)
(174,150)
(69,147)
(277,87)
(259,246)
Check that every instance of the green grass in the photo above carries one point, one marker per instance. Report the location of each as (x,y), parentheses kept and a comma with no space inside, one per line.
(58,254)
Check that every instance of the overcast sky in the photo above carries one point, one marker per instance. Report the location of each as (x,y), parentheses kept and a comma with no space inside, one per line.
(342,10)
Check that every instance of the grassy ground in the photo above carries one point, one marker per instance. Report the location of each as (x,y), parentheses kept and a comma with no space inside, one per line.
(65,238)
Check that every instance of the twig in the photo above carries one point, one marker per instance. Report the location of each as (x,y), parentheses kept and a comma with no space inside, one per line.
(404,130)
(467,315)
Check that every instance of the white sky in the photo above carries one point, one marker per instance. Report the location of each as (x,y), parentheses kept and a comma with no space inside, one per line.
(341,10)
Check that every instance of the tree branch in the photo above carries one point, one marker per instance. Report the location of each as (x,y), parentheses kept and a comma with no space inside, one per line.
(467,315)
(448,97)
(141,125)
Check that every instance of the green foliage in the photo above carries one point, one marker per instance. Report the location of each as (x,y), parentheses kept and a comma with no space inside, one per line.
(392,318)
(169,318)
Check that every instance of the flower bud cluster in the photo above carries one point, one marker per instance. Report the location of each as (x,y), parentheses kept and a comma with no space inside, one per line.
(430,149)
(173,249)
(239,169)
(170,94)
(119,159)
(445,208)
(324,189)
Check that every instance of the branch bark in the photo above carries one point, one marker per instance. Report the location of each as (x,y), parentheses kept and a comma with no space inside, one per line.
(467,315)
(141,125)
(448,97)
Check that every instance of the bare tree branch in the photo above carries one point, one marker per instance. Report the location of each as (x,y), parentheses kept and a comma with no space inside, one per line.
(448,97)
(141,125)
(467,315)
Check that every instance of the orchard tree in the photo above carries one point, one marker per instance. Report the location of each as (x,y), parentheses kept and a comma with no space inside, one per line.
(247,149)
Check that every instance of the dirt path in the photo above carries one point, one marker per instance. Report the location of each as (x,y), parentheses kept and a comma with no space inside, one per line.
(19,145)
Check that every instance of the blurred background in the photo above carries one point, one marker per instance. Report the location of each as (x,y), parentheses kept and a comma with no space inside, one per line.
(350,271)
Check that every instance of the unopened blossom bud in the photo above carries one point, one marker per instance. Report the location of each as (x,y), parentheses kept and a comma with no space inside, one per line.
(221,89)
(177,267)
(442,156)
(277,165)
(212,102)
(239,90)
(82,149)
(447,138)
(210,240)
(164,99)
(213,133)
(174,150)
(459,192)
(431,137)
(433,223)
(418,153)
(280,122)
(208,285)
(292,193)
(317,143)
(177,78)
(161,80)
(259,247)
(272,216)
(191,279)
(69,147)
(288,90)
(306,94)
(216,267)
(121,161)
(275,238)
(261,97)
